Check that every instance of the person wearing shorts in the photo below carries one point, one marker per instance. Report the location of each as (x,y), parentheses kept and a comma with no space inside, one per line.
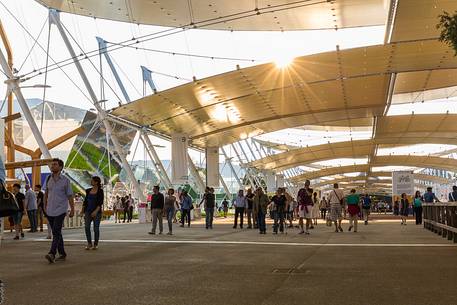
(353,202)
(335,198)
(305,206)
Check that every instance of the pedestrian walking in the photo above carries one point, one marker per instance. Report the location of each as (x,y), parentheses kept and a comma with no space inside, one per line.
(92,211)
(186,207)
(249,208)
(17,217)
(157,204)
(240,205)
(366,208)
(305,205)
(260,205)
(57,197)
(353,201)
(279,201)
(335,198)
(404,205)
(31,207)
(169,209)
(418,200)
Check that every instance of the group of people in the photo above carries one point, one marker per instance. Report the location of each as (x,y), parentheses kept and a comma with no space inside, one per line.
(54,204)
(123,207)
(57,202)
(169,205)
(30,203)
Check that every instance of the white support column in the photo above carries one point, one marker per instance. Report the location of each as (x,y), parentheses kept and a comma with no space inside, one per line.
(156,160)
(13,84)
(194,172)
(54,18)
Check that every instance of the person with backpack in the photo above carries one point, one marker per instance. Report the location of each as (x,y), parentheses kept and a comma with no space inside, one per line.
(366,208)
(429,196)
(186,207)
(305,205)
(57,197)
(92,211)
(353,201)
(418,200)
(335,198)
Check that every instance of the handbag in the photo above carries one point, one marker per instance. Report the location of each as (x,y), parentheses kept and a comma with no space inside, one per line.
(8,204)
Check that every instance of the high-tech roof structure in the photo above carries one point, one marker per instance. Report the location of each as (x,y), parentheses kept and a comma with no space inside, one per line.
(233,15)
(348,89)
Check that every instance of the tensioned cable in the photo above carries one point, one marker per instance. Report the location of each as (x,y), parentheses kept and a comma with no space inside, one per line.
(208,22)
(4,101)
(45,79)
(93,65)
(186,54)
(34,44)
(126,76)
(43,49)
(95,125)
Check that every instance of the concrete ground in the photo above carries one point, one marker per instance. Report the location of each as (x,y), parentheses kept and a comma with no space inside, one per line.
(384,263)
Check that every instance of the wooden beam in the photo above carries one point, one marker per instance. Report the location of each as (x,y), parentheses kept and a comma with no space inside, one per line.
(24,150)
(65,137)
(12,117)
(30,163)
(60,140)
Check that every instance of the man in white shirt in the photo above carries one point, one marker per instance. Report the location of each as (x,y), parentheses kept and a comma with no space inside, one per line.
(335,197)
(240,205)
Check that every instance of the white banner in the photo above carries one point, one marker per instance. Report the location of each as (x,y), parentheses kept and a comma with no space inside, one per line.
(212,166)
(402,182)
(179,167)
(270,181)
(280,181)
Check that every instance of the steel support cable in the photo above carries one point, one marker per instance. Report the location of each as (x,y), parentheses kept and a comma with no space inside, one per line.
(212,21)
(44,50)
(185,54)
(126,76)
(95,125)
(34,44)
(136,147)
(90,61)
(45,79)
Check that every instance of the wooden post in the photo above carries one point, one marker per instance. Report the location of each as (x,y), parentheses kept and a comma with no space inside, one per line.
(10,157)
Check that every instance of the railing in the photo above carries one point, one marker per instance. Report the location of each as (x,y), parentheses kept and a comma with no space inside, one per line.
(441,218)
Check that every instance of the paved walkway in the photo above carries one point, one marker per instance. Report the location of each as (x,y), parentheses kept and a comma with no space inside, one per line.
(384,263)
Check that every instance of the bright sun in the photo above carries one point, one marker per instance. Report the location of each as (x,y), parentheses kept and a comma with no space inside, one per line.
(283,61)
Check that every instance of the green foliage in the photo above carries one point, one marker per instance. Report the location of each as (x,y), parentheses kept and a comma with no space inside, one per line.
(95,155)
(78,163)
(448,27)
